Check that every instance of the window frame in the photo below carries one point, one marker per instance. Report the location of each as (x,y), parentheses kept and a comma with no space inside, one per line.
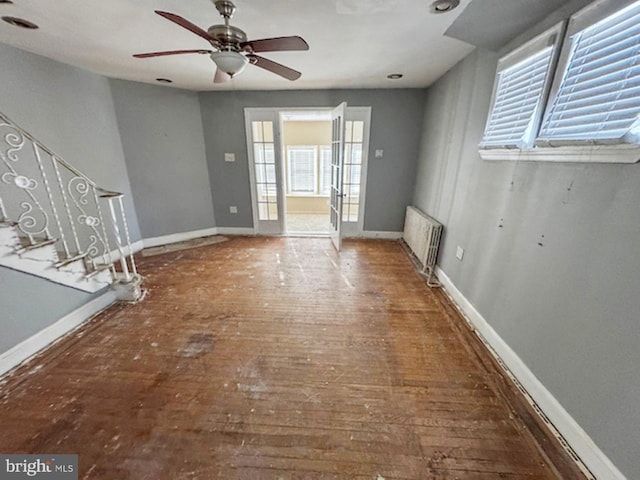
(311,148)
(583,151)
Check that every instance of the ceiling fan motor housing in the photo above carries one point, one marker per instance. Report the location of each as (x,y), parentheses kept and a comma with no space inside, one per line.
(228,36)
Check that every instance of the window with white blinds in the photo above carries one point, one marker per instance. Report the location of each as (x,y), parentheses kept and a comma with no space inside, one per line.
(598,97)
(517,101)
(301,170)
(577,91)
(325,170)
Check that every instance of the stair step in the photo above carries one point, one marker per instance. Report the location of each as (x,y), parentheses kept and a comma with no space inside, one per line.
(27,246)
(67,261)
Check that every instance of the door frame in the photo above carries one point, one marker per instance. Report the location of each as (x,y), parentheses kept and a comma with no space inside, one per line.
(350,229)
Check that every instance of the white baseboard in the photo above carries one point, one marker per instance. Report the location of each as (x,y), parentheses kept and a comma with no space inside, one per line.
(595,460)
(178,237)
(137,246)
(235,231)
(382,235)
(184,236)
(49,335)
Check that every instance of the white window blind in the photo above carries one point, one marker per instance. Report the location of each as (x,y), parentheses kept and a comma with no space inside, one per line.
(598,99)
(517,100)
(325,170)
(302,169)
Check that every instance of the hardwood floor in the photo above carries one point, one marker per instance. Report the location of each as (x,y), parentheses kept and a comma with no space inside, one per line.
(272,358)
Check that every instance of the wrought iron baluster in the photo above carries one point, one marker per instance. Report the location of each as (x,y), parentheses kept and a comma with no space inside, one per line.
(27,222)
(51,201)
(108,258)
(3,211)
(127,236)
(116,231)
(65,200)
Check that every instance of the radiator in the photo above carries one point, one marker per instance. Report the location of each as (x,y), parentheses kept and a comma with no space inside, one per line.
(422,235)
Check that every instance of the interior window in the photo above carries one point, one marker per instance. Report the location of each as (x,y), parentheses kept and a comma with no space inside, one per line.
(302,170)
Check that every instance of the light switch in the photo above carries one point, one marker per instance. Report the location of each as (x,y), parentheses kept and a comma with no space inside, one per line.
(379,153)
(229,157)
(233,209)
(459,253)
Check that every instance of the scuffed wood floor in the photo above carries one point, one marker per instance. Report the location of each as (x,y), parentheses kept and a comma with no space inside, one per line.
(271,358)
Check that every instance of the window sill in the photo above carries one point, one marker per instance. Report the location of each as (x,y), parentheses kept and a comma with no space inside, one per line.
(306,195)
(572,154)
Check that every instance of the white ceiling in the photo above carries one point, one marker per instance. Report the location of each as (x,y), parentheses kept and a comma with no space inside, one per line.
(353,43)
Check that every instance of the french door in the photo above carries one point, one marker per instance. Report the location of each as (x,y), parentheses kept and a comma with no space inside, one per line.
(337,174)
(348,172)
(263,144)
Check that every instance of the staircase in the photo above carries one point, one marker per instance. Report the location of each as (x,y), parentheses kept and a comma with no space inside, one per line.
(54,222)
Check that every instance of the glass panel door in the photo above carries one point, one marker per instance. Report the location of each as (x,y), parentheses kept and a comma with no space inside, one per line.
(356,148)
(337,175)
(264,165)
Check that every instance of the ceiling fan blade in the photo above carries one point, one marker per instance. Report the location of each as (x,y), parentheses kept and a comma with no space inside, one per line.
(277,44)
(221,77)
(274,67)
(184,23)
(171,52)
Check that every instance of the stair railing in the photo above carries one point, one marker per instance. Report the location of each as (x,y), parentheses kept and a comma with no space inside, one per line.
(52,202)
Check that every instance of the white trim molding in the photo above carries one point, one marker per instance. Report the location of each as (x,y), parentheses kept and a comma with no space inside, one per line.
(383,235)
(46,337)
(135,248)
(594,459)
(178,237)
(235,231)
(569,154)
(184,236)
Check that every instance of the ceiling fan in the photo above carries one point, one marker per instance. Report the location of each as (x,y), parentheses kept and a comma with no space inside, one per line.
(232,49)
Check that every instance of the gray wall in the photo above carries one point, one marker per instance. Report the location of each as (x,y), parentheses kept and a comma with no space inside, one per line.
(396,120)
(161,131)
(71,111)
(30,304)
(551,258)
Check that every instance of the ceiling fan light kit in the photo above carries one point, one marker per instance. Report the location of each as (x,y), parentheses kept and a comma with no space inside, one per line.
(233,51)
(230,62)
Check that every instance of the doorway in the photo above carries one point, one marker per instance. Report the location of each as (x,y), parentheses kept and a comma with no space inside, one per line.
(291,170)
(306,143)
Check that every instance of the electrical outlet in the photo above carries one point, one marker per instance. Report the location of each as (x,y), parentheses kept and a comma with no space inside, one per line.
(229,157)
(379,153)
(233,209)
(459,253)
